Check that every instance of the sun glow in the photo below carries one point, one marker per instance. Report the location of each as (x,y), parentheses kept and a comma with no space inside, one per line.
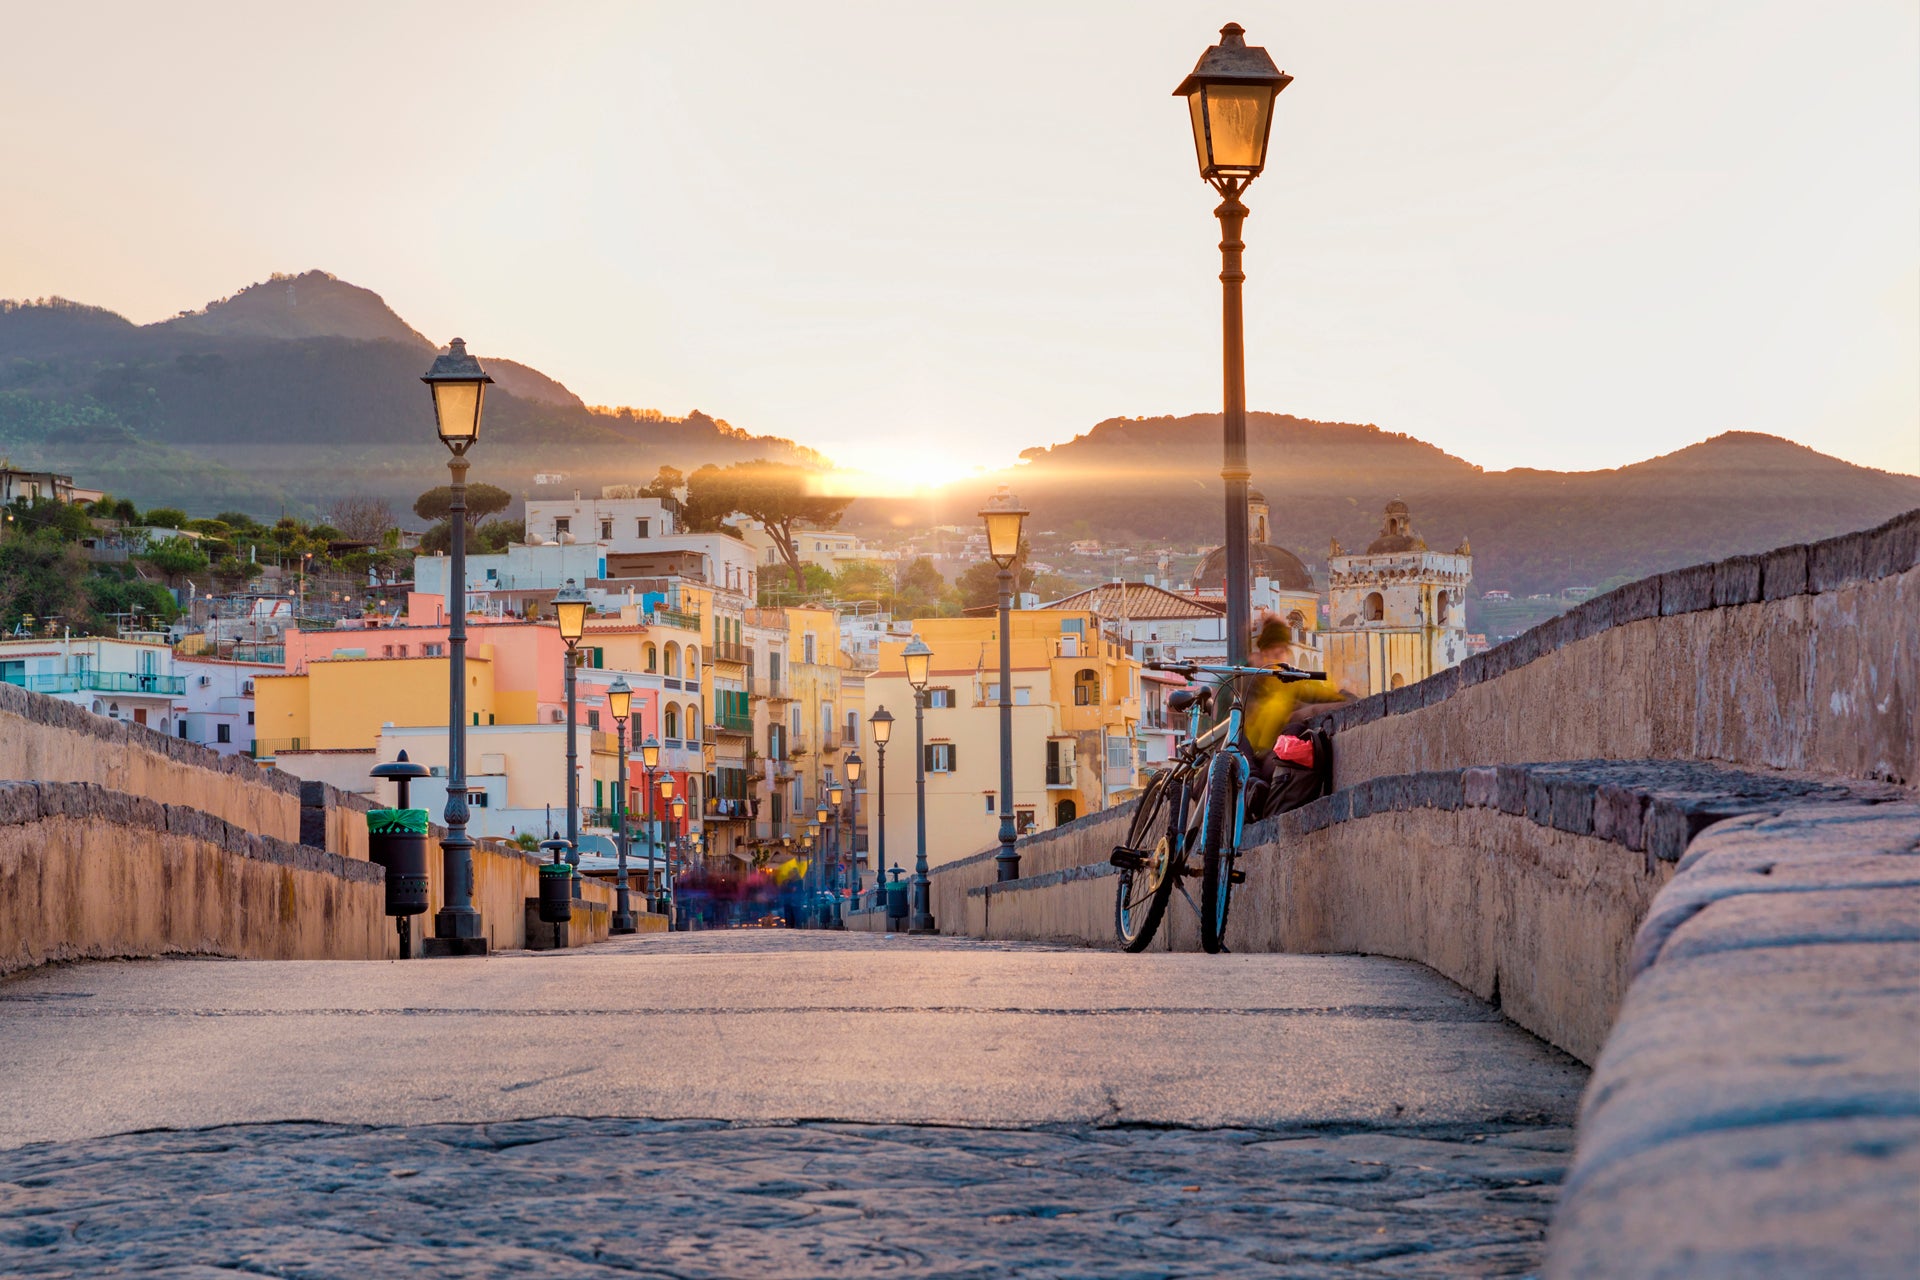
(898,473)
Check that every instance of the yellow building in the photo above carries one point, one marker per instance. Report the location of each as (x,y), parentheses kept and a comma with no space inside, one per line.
(1398,609)
(340,704)
(818,719)
(1076,696)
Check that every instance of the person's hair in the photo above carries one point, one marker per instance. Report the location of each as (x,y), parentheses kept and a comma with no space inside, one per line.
(1270,632)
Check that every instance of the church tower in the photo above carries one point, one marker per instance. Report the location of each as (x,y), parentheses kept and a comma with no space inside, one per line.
(1398,609)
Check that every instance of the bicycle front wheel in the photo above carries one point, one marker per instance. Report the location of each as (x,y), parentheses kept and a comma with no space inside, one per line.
(1218,831)
(1140,902)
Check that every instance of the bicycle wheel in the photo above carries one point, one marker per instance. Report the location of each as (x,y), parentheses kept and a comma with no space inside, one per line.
(1141,900)
(1217,849)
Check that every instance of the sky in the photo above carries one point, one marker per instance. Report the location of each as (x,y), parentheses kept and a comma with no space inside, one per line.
(923,237)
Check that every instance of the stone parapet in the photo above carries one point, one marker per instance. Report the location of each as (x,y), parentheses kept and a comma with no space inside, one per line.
(1764,1073)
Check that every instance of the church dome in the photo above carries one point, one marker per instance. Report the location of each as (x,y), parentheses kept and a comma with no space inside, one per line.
(1267,561)
(1396,532)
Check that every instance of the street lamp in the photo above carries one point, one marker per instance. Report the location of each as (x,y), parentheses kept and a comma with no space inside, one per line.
(656,874)
(459,387)
(570,610)
(1230,100)
(1004,516)
(620,703)
(853,764)
(881,722)
(919,663)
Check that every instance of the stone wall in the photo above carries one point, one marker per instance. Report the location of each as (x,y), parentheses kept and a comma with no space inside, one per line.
(43,739)
(88,873)
(1806,658)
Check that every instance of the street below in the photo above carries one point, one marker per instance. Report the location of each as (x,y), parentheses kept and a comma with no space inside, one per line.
(773,1103)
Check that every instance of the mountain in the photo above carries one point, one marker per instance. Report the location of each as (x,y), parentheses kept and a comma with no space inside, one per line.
(296,391)
(1151,482)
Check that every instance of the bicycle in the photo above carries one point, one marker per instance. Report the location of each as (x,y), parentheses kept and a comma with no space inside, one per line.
(1216,765)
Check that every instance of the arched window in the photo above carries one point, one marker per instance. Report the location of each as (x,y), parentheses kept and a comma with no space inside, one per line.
(693,724)
(1399,681)
(673,659)
(1376,607)
(693,662)
(653,658)
(1442,609)
(1064,812)
(1297,622)
(1086,687)
(672,721)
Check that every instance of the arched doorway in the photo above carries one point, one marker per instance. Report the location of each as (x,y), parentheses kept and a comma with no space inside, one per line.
(1064,812)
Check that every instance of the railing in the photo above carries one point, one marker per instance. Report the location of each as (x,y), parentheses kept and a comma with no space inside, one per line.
(772,688)
(1060,774)
(267,748)
(730,651)
(104,682)
(830,741)
(728,807)
(733,722)
(782,768)
(661,616)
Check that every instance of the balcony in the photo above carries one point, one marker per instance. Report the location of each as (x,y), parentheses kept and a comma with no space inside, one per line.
(105,682)
(782,769)
(267,748)
(1060,774)
(733,722)
(772,688)
(729,651)
(830,741)
(661,616)
(725,808)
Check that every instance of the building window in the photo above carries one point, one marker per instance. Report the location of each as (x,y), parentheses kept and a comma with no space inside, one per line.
(940,698)
(593,722)
(1086,687)
(433,650)
(221,732)
(478,799)
(606,531)
(1064,812)
(989,802)
(1442,609)
(249,717)
(1023,820)
(806,647)
(671,722)
(562,524)
(640,529)
(1375,608)
(693,724)
(941,757)
(653,658)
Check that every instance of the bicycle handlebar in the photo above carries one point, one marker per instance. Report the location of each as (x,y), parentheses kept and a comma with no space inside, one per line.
(1287,675)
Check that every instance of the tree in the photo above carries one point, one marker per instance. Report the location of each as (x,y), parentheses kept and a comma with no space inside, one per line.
(863,580)
(165,518)
(920,591)
(816,583)
(175,557)
(483,500)
(361,518)
(979,586)
(779,496)
(667,483)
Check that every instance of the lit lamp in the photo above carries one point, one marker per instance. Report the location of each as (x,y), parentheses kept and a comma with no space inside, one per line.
(881,723)
(853,765)
(649,761)
(1004,516)
(459,386)
(1230,102)
(620,703)
(570,610)
(918,659)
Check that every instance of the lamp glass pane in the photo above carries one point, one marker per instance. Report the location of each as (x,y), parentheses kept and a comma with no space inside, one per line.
(573,618)
(919,667)
(1003,535)
(1196,107)
(1237,125)
(650,754)
(854,764)
(882,730)
(666,788)
(457,405)
(620,702)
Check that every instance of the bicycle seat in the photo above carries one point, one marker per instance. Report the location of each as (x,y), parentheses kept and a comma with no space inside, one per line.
(1186,698)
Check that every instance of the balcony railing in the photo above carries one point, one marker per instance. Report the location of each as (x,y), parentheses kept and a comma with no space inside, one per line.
(734,722)
(105,682)
(830,741)
(772,688)
(1060,774)
(267,748)
(661,616)
(731,651)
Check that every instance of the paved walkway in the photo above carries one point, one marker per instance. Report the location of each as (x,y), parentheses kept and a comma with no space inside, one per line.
(774,1104)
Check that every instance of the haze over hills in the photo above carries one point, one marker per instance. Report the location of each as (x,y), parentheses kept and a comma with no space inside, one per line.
(302,389)
(1155,481)
(296,391)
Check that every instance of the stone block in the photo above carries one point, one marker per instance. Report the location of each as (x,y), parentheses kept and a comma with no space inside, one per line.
(1894,547)
(1687,590)
(1673,821)
(1619,815)
(1736,581)
(1440,686)
(1511,782)
(1473,670)
(1340,806)
(1360,799)
(1783,573)
(1480,787)
(1539,799)
(1635,601)
(1837,562)
(1440,789)
(1402,700)
(19,803)
(1587,619)
(1572,801)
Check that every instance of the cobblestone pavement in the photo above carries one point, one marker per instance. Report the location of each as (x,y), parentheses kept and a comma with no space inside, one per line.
(767,1103)
(578,1198)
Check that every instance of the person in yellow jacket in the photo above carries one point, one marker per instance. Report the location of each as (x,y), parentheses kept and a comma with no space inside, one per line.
(1273,707)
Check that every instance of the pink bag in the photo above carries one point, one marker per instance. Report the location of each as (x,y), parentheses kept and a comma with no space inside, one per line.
(1296,751)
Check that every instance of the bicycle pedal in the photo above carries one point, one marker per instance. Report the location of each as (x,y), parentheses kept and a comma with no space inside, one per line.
(1128,859)
(1237,876)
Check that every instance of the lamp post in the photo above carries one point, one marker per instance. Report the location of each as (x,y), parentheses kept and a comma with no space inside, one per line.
(570,608)
(666,798)
(854,764)
(1230,100)
(815,879)
(649,761)
(459,387)
(620,702)
(848,885)
(828,829)
(919,661)
(1003,517)
(882,723)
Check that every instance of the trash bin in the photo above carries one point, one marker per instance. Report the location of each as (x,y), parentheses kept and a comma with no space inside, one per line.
(397,841)
(556,893)
(896,903)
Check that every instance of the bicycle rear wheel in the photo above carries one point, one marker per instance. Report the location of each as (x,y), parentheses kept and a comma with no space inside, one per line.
(1141,900)
(1217,848)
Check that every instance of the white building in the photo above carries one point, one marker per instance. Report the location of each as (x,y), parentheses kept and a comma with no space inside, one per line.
(1158,625)
(1398,609)
(130,678)
(619,523)
(219,702)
